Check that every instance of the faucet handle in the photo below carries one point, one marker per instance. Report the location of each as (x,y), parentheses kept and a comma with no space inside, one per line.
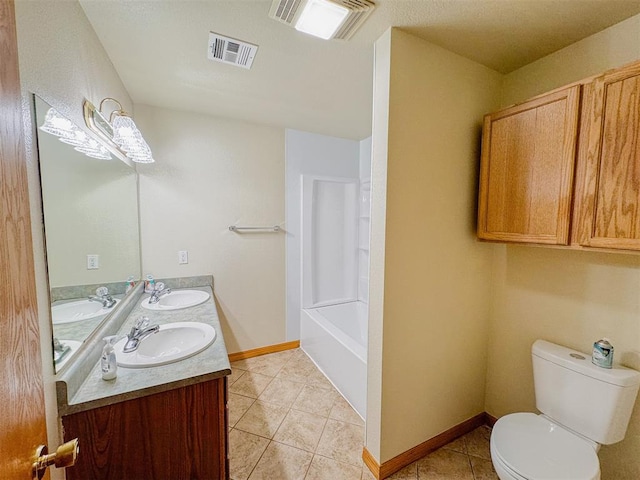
(159,286)
(102,291)
(141,323)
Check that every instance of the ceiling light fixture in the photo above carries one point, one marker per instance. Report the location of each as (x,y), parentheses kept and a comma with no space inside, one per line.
(321,18)
(120,132)
(327,19)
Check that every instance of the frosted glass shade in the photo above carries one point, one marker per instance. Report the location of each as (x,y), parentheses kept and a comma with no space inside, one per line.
(69,133)
(57,125)
(127,136)
(321,18)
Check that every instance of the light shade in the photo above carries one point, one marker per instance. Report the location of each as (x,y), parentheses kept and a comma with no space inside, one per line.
(57,125)
(69,133)
(321,18)
(94,149)
(127,136)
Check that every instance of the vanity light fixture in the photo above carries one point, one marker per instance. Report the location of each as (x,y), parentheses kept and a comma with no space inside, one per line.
(120,133)
(326,19)
(68,132)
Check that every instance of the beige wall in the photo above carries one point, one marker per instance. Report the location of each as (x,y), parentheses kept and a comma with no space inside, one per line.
(571,298)
(610,48)
(63,62)
(211,173)
(436,275)
(379,153)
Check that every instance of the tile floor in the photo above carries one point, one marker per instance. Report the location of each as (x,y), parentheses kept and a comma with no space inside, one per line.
(287,422)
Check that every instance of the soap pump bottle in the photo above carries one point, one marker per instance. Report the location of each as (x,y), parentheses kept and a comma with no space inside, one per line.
(129,284)
(108,362)
(149,284)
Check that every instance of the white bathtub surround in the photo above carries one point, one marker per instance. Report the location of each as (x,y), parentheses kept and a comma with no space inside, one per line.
(364,220)
(308,154)
(333,324)
(335,338)
(327,207)
(329,240)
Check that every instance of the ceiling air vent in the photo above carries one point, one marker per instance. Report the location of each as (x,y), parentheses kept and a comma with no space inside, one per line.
(231,51)
(288,11)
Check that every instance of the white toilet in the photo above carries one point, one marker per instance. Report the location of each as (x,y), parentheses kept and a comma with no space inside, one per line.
(582,405)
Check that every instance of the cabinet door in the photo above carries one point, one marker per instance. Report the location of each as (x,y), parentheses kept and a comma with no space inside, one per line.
(608,215)
(173,435)
(526,177)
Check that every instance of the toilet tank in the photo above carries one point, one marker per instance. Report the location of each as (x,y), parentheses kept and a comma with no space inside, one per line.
(592,401)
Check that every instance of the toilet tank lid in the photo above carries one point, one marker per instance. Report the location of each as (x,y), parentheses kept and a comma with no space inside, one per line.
(581,362)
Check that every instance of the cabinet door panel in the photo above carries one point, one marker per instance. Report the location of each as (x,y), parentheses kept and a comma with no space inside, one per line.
(178,434)
(527,170)
(613,163)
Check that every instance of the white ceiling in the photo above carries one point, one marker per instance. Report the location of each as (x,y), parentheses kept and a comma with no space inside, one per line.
(159,48)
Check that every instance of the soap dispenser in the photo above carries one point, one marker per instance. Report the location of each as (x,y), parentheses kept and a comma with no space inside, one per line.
(130,284)
(108,361)
(149,284)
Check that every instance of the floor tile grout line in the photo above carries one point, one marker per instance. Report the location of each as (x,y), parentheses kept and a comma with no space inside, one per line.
(245,412)
(243,372)
(261,455)
(313,455)
(473,473)
(320,437)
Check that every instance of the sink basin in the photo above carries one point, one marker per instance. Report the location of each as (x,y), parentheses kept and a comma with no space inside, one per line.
(177,299)
(173,342)
(78,310)
(73,346)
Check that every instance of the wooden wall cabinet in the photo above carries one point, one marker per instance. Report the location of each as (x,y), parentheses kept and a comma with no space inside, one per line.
(526,177)
(177,434)
(544,180)
(607,212)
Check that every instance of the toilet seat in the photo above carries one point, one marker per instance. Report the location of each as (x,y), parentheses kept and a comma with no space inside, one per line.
(534,448)
(502,470)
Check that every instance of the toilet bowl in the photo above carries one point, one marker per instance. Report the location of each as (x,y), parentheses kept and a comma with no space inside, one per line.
(582,407)
(526,446)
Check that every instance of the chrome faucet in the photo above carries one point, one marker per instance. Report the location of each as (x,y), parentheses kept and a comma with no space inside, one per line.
(102,296)
(139,332)
(60,350)
(158,292)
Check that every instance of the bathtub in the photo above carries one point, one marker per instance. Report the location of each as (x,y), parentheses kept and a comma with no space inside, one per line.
(335,338)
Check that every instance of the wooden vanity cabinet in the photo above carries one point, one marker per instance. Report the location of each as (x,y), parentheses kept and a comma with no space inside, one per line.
(527,170)
(608,188)
(177,434)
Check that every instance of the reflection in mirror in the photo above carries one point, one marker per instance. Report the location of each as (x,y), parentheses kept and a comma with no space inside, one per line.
(90,207)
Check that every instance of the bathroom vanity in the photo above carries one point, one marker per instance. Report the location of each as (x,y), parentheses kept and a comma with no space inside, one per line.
(161,422)
(180,433)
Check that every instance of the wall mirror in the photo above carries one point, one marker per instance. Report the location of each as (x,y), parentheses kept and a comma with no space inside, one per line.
(90,208)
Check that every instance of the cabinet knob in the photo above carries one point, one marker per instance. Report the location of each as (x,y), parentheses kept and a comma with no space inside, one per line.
(65,456)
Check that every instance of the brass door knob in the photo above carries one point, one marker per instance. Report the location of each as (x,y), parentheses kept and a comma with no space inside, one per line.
(65,456)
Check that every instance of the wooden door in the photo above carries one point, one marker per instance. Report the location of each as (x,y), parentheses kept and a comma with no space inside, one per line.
(526,177)
(22,421)
(609,182)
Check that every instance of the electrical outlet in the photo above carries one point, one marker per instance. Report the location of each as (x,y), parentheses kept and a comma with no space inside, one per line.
(183,257)
(93,262)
